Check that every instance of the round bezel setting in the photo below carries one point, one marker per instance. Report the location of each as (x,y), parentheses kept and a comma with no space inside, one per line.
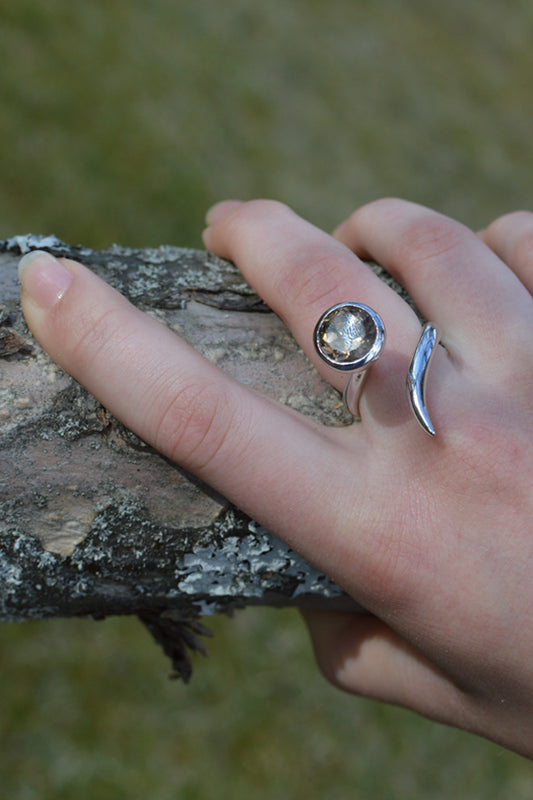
(349,336)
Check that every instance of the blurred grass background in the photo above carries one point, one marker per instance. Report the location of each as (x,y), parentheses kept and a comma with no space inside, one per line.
(123,122)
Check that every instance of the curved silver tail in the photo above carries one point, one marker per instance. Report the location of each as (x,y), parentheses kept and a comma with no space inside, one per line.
(416,377)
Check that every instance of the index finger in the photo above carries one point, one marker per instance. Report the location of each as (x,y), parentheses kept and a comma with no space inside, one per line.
(257,453)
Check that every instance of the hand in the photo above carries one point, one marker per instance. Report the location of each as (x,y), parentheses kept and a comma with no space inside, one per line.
(434,536)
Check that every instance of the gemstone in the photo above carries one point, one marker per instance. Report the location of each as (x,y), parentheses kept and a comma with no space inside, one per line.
(346,334)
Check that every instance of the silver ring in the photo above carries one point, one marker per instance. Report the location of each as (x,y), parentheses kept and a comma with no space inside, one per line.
(350,337)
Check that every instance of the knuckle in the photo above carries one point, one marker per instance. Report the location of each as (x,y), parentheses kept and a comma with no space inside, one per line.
(311,281)
(194,424)
(430,238)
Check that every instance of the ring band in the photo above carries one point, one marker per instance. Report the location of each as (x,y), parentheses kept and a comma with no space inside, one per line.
(350,337)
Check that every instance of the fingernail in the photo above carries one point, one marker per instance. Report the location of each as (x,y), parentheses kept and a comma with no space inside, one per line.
(44,278)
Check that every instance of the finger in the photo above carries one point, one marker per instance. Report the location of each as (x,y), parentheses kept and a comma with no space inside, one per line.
(300,272)
(511,238)
(221,210)
(454,279)
(361,654)
(177,401)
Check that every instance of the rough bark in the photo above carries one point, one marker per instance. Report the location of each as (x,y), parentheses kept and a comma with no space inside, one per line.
(92,520)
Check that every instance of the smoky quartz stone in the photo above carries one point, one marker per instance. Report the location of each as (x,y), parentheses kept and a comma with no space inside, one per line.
(349,335)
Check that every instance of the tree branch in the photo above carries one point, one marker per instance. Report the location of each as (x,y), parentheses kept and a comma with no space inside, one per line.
(92,520)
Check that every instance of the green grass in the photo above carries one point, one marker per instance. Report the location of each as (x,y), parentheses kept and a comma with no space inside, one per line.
(88,712)
(123,122)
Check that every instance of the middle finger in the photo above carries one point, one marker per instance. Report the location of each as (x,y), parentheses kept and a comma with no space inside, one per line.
(300,271)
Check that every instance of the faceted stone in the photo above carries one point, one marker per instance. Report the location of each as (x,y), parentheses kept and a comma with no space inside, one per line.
(347,334)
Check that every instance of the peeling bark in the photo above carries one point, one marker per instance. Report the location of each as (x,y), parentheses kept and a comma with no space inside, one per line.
(92,520)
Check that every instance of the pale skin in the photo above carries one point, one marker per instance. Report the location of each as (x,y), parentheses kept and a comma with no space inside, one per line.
(434,536)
